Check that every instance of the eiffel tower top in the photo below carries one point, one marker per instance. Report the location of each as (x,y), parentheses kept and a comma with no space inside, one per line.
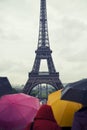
(43,50)
(43,40)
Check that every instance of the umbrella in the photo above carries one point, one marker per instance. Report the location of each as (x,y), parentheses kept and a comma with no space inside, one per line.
(76,92)
(63,110)
(80,119)
(44,119)
(17,110)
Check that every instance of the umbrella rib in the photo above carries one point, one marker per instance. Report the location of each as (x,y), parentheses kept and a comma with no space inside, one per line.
(63,113)
(22,114)
(4,109)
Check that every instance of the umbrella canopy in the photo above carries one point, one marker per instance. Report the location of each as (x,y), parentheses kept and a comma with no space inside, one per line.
(44,119)
(76,92)
(80,119)
(17,110)
(63,110)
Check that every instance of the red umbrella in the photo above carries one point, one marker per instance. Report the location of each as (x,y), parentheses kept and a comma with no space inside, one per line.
(17,110)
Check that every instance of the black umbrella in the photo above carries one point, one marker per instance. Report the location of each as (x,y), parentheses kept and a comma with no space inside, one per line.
(76,92)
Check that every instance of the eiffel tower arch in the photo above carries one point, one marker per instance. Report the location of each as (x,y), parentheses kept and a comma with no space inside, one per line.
(43,52)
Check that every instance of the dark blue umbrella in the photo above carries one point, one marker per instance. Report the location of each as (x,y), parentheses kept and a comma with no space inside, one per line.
(76,92)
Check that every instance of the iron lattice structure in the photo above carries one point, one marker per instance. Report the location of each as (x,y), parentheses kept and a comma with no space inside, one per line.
(43,52)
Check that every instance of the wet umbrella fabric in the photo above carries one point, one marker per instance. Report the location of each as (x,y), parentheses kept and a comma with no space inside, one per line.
(76,92)
(63,110)
(17,110)
(80,120)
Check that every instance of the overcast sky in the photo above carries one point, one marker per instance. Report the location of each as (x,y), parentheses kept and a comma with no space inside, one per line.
(19,28)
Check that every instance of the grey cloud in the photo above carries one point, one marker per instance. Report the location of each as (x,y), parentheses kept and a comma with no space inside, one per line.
(12,66)
(79,57)
(5,66)
(71,39)
(73,29)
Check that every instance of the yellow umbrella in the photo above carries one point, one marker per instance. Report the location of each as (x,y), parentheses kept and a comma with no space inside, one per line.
(63,110)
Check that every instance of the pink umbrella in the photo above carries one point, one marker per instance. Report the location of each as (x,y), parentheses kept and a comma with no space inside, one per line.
(17,110)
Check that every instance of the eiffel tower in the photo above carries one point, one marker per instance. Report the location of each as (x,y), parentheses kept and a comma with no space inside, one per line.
(43,52)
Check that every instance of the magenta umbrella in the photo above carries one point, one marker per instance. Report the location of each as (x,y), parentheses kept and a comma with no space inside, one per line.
(17,110)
